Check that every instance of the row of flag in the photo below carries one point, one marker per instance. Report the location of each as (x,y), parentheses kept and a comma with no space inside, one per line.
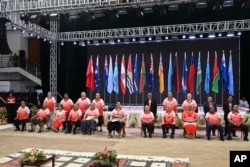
(133,81)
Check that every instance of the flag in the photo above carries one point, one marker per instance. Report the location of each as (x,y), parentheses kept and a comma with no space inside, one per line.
(223,73)
(184,75)
(161,76)
(110,76)
(191,75)
(216,75)
(123,76)
(230,76)
(199,76)
(130,76)
(105,72)
(97,78)
(90,81)
(136,75)
(142,76)
(115,77)
(176,77)
(207,76)
(151,72)
(170,73)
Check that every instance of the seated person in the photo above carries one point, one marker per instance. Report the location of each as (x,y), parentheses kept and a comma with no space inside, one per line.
(40,118)
(116,121)
(236,119)
(59,118)
(244,103)
(168,121)
(74,119)
(11,99)
(147,122)
(90,119)
(190,118)
(213,121)
(22,116)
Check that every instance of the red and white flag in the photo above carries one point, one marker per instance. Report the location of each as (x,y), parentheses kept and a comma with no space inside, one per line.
(123,76)
(90,77)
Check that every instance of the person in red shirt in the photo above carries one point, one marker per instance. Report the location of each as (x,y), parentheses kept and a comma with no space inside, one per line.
(99,104)
(40,118)
(190,118)
(11,98)
(83,102)
(236,119)
(213,121)
(50,102)
(74,119)
(22,116)
(147,122)
(168,121)
(189,101)
(67,104)
(59,118)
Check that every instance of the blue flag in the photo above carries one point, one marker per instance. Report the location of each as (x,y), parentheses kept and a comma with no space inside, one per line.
(199,76)
(151,73)
(207,76)
(170,73)
(223,73)
(136,75)
(184,75)
(230,76)
(97,78)
(105,72)
(110,76)
(115,77)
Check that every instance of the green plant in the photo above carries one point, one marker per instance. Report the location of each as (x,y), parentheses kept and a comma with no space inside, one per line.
(33,156)
(3,113)
(105,157)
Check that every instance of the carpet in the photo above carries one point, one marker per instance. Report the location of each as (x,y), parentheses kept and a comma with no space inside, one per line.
(82,159)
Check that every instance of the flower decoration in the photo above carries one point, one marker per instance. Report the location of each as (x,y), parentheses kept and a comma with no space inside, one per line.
(106,157)
(179,109)
(33,156)
(34,110)
(3,113)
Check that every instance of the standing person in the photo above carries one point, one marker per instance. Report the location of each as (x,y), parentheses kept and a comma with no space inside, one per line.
(152,104)
(206,108)
(227,108)
(168,121)
(244,103)
(190,118)
(67,104)
(189,101)
(83,103)
(22,116)
(170,101)
(99,104)
(74,119)
(11,98)
(147,122)
(59,118)
(50,102)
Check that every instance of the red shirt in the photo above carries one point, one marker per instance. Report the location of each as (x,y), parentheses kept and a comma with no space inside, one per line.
(172,102)
(83,104)
(43,113)
(50,103)
(23,113)
(147,117)
(67,104)
(169,117)
(99,104)
(213,118)
(11,99)
(75,115)
(235,117)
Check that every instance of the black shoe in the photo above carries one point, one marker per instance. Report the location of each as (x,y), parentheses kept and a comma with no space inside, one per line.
(229,138)
(246,139)
(39,131)
(67,132)
(150,135)
(100,130)
(234,135)
(164,136)
(145,136)
(17,130)
(225,134)
(222,139)
(214,134)
(31,130)
(208,138)
(172,136)
(74,132)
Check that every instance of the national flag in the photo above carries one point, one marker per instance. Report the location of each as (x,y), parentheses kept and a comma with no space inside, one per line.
(90,81)
(170,73)
(230,76)
(110,76)
(216,75)
(223,73)
(176,77)
(142,76)
(115,77)
(123,76)
(105,72)
(184,75)
(199,76)
(191,75)
(136,75)
(130,76)
(97,78)
(161,76)
(207,76)
(151,72)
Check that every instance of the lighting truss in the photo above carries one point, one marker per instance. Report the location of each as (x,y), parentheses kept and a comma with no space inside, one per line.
(49,6)
(194,28)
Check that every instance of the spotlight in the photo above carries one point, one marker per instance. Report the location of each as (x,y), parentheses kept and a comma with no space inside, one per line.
(44,39)
(50,42)
(184,36)
(192,37)
(31,34)
(239,33)
(142,40)
(14,28)
(166,37)
(126,40)
(74,43)
(23,31)
(201,35)
(150,38)
(133,39)
(96,42)
(111,41)
(211,35)
(117,15)
(82,43)
(158,39)
(220,34)
(103,41)
(62,43)
(118,40)
(88,42)
(38,36)
(230,34)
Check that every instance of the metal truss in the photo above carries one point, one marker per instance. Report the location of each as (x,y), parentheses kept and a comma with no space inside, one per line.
(180,29)
(53,59)
(59,6)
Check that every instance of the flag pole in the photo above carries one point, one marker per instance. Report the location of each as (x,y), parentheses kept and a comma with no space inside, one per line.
(129,102)
(104,94)
(123,99)
(110,98)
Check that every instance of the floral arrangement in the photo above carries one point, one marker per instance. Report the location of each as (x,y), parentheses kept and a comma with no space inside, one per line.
(33,156)
(3,113)
(106,157)
(179,109)
(34,110)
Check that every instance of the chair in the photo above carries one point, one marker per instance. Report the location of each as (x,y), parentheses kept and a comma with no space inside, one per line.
(238,129)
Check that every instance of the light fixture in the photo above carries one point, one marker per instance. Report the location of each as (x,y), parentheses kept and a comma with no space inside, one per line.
(31,34)
(184,36)
(74,42)
(88,42)
(50,42)
(38,36)
(126,40)
(14,28)
(174,37)
(44,39)
(192,36)
(239,33)
(53,17)
(118,40)
(230,34)
(62,43)
(211,35)
(220,34)
(96,42)
(158,39)
(142,40)
(103,41)
(133,39)
(201,36)
(82,43)
(166,37)
(150,38)
(23,31)
(111,41)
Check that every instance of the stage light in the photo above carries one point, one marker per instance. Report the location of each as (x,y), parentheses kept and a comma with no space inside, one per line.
(50,42)
(31,34)
(158,39)
(62,43)
(111,41)
(150,38)
(82,43)
(211,35)
(14,28)
(88,42)
(192,37)
(23,31)
(220,34)
(166,37)
(133,40)
(126,40)
(96,42)
(230,34)
(201,36)
(239,33)
(142,40)
(118,40)
(74,42)
(44,39)
(103,41)
(184,36)
(38,36)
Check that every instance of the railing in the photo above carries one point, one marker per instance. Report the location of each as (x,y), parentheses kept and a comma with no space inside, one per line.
(11,61)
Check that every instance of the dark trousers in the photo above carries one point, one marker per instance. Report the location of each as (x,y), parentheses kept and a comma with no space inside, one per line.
(73,125)
(226,128)
(88,126)
(242,126)
(117,126)
(147,127)
(210,127)
(22,122)
(165,127)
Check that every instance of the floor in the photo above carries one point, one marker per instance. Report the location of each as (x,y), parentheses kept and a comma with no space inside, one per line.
(199,151)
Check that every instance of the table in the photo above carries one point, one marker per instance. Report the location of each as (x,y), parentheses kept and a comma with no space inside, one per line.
(49,158)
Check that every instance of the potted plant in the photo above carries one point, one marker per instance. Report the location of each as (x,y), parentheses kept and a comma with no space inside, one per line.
(33,156)
(3,115)
(105,158)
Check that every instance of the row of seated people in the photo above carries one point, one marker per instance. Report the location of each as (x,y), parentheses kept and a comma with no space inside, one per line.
(87,123)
